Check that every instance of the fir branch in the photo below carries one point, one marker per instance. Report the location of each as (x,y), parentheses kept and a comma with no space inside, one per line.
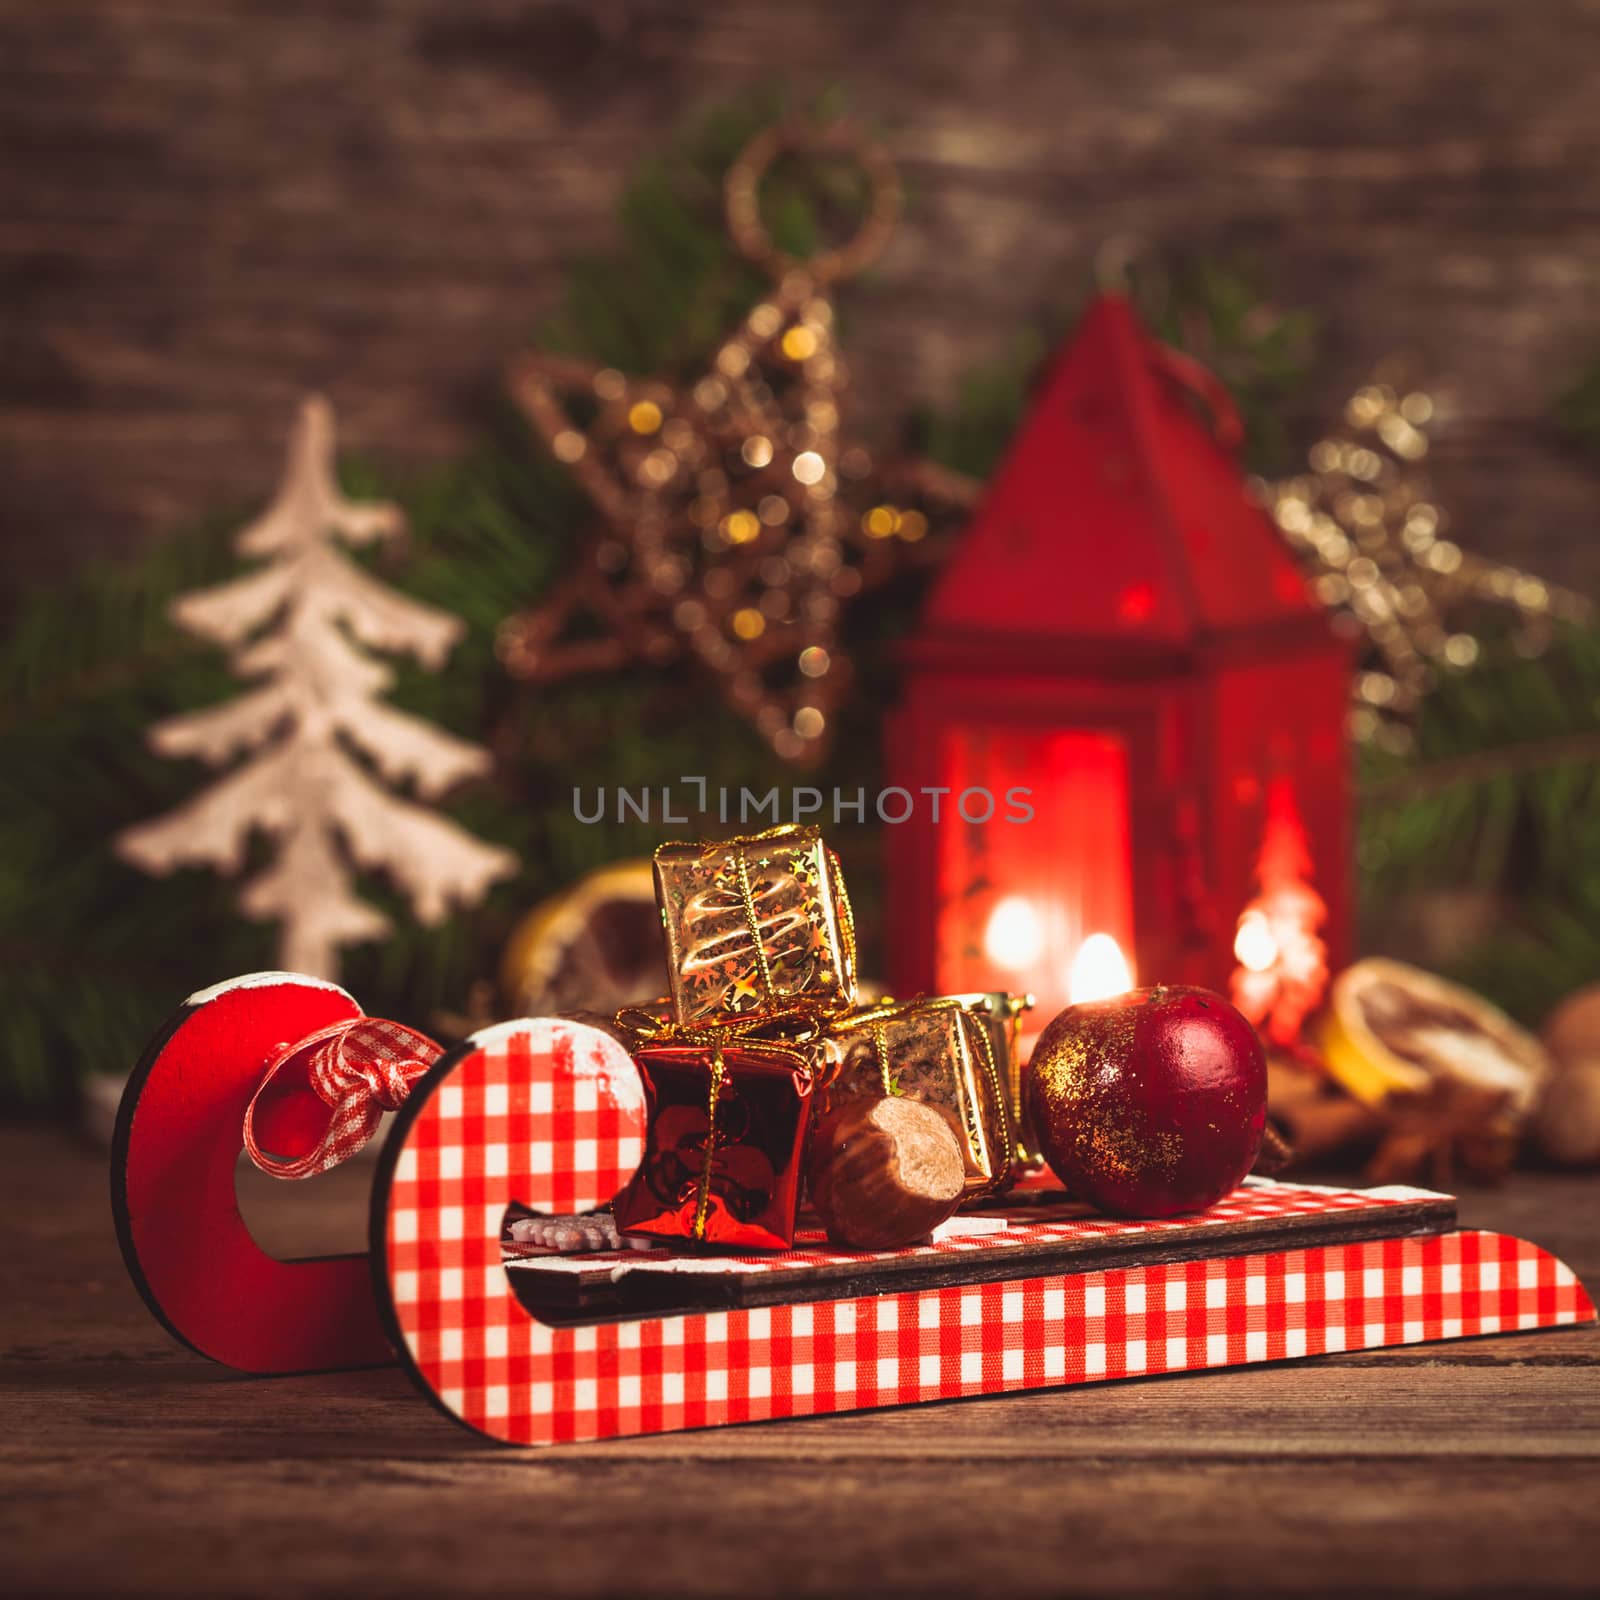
(1501,795)
(1526,756)
(1214,308)
(101,954)
(1577,411)
(107,628)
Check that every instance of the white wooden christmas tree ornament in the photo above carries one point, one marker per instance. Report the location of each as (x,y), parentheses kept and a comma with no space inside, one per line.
(290,625)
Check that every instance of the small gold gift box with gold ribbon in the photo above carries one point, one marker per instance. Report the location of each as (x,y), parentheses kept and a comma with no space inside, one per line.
(756,924)
(1002,1014)
(942,1051)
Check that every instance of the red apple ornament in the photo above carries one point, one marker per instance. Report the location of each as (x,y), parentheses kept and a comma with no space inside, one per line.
(1149,1104)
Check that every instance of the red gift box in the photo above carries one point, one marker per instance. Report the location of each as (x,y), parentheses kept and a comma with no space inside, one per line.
(726,1127)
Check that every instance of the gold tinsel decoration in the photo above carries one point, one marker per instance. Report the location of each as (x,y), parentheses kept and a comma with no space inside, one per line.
(1365,524)
(739,516)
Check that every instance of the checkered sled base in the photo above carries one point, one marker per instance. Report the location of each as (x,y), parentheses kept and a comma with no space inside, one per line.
(550,1115)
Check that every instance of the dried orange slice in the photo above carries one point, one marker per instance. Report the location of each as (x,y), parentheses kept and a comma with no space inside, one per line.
(594,947)
(1395,1032)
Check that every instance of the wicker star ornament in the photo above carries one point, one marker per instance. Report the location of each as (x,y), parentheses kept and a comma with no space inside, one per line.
(738,516)
(1366,525)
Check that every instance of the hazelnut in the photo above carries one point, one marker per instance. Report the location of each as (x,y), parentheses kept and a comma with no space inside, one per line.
(1572,1031)
(1567,1123)
(884,1173)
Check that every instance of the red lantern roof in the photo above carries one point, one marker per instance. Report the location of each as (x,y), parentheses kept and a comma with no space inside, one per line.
(1119,513)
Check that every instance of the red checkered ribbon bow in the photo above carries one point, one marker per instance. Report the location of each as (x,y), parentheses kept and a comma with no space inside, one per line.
(361,1068)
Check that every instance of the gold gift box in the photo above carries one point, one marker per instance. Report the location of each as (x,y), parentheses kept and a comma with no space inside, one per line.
(940,1051)
(1003,1013)
(756,924)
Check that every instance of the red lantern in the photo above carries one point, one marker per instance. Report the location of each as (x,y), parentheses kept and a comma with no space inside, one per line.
(1123,636)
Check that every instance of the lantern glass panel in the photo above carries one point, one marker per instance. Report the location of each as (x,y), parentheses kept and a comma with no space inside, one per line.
(1019,898)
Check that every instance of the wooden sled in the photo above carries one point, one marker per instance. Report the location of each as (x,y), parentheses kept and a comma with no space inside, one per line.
(547,1115)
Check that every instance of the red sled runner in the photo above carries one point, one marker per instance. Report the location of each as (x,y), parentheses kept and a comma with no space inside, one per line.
(547,1115)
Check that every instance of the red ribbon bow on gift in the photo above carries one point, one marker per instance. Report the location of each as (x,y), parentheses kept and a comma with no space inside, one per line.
(361,1068)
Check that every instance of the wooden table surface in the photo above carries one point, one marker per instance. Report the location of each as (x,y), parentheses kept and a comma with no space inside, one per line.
(128,1465)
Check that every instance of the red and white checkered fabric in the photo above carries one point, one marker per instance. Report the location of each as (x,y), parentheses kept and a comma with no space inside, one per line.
(511,1124)
(359,1068)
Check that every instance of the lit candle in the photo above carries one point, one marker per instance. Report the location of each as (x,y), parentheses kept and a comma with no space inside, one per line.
(1014,936)
(1099,970)
(1254,944)
(1283,966)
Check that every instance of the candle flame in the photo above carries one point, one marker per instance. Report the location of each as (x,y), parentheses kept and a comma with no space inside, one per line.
(1099,970)
(1014,935)
(1254,944)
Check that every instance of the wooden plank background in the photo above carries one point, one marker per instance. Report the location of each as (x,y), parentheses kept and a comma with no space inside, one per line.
(208,205)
